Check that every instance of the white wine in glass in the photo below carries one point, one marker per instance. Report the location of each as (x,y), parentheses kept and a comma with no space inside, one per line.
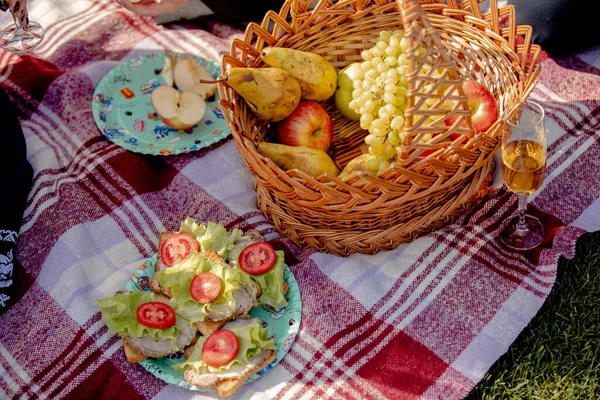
(23,35)
(523,166)
(524,170)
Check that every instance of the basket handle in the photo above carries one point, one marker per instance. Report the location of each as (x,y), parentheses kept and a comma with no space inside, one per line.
(429,95)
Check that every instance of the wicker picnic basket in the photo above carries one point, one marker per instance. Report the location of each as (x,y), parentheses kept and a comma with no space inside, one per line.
(424,191)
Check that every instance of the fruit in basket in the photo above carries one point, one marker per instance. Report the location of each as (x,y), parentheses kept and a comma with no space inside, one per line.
(357,166)
(309,160)
(482,104)
(271,93)
(178,110)
(345,87)
(308,125)
(187,74)
(379,95)
(317,77)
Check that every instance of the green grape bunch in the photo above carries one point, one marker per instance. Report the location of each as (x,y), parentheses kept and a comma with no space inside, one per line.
(380,98)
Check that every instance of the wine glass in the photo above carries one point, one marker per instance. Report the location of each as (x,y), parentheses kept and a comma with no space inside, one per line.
(24,34)
(523,169)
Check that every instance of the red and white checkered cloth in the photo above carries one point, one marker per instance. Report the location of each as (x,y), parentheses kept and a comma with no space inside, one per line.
(426,320)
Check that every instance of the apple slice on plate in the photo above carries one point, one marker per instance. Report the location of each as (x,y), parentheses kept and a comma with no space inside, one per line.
(167,69)
(187,74)
(178,110)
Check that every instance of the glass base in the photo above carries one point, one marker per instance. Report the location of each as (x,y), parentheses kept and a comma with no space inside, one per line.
(522,239)
(19,41)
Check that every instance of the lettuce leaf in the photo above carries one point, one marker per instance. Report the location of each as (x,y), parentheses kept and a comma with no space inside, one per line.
(179,277)
(271,283)
(211,236)
(252,340)
(119,315)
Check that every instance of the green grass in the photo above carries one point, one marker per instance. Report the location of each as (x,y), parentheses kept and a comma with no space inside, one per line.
(558,355)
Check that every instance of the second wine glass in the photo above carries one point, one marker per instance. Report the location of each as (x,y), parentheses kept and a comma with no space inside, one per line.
(524,169)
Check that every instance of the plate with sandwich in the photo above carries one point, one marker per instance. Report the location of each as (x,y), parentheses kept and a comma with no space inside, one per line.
(211,311)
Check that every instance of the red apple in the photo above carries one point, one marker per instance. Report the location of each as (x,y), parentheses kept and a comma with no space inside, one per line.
(483,105)
(308,125)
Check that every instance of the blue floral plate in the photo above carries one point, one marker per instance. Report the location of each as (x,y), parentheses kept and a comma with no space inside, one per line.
(123,110)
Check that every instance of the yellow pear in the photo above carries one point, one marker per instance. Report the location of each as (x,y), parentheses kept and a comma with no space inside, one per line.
(317,77)
(313,162)
(356,166)
(271,93)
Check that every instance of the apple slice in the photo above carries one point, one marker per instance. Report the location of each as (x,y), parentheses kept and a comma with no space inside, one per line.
(167,69)
(187,75)
(178,110)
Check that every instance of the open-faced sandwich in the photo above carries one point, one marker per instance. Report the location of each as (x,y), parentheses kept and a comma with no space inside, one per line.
(229,356)
(147,324)
(208,292)
(206,281)
(248,253)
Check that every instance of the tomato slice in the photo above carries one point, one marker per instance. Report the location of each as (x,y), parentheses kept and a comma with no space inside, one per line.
(257,258)
(176,247)
(220,348)
(156,315)
(205,287)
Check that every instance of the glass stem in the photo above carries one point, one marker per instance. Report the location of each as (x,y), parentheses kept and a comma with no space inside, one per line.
(19,28)
(522,226)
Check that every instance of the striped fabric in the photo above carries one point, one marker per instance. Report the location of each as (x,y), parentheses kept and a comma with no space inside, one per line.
(424,321)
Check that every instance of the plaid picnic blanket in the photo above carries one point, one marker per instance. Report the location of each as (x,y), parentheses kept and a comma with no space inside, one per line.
(424,321)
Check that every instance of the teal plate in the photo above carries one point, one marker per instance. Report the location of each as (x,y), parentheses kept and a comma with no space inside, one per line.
(124,114)
(283,325)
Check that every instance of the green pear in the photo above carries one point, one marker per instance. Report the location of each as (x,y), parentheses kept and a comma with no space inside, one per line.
(313,162)
(317,77)
(271,93)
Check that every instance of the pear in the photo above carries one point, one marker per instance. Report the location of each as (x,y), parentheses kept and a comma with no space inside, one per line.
(317,77)
(313,162)
(271,93)
(356,166)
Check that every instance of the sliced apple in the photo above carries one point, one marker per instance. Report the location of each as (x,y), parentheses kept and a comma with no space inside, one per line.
(167,69)
(187,75)
(178,110)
